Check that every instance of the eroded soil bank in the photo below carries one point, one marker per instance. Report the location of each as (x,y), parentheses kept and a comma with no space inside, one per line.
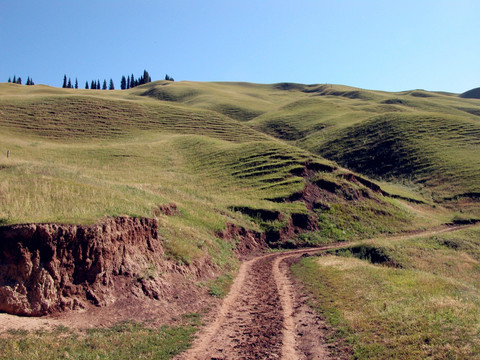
(48,268)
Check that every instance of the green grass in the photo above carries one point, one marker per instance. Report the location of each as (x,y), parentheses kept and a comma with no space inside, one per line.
(428,139)
(223,152)
(413,298)
(439,151)
(79,155)
(220,286)
(126,340)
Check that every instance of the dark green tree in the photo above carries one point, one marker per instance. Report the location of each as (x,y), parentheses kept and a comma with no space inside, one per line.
(93,85)
(111,85)
(132,81)
(14,79)
(64,81)
(19,80)
(98,85)
(9,80)
(145,78)
(76,83)
(86,85)
(123,83)
(69,85)
(104,87)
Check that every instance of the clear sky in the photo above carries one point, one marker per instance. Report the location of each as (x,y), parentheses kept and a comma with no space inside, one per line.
(384,45)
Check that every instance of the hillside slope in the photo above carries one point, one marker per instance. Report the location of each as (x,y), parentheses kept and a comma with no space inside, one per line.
(141,202)
(79,155)
(425,140)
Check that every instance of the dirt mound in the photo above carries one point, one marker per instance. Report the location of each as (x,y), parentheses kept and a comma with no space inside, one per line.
(166,209)
(246,241)
(46,268)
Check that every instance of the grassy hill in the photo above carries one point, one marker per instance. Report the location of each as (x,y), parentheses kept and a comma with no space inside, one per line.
(427,141)
(282,160)
(79,155)
(83,154)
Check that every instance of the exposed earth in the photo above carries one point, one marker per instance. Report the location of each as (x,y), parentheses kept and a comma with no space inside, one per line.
(264,316)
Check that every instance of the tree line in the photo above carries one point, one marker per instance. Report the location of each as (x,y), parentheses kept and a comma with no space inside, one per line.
(19,80)
(127,82)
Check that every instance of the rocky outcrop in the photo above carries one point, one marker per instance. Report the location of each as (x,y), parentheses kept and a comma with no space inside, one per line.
(46,268)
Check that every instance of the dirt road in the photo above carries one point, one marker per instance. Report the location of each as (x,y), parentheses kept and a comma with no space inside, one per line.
(265,316)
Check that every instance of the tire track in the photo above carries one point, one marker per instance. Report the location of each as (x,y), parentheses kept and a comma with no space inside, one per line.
(263,316)
(256,319)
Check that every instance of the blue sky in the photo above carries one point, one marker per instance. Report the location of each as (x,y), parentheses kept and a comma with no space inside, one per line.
(384,45)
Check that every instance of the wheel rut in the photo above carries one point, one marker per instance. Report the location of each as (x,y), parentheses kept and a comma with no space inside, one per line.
(264,315)
(257,318)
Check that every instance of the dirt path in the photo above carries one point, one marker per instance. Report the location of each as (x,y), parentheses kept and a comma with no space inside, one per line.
(262,317)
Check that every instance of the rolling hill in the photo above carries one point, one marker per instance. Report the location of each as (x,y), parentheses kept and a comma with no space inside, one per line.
(426,139)
(223,170)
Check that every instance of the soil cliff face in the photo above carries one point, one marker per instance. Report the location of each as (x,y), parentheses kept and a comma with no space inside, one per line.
(46,268)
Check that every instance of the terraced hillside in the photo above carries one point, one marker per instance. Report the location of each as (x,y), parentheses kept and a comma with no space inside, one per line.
(83,154)
(79,155)
(425,140)
(192,176)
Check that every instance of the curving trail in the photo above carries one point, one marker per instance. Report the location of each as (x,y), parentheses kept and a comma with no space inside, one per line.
(265,317)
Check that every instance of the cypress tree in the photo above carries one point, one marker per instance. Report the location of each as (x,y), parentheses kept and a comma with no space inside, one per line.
(69,85)
(111,86)
(98,85)
(9,80)
(86,85)
(146,77)
(123,83)
(93,85)
(128,82)
(132,81)
(14,79)
(104,87)
(19,81)
(76,83)
(64,81)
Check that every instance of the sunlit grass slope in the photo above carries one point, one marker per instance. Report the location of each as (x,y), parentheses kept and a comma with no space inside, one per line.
(85,116)
(414,298)
(79,155)
(426,140)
